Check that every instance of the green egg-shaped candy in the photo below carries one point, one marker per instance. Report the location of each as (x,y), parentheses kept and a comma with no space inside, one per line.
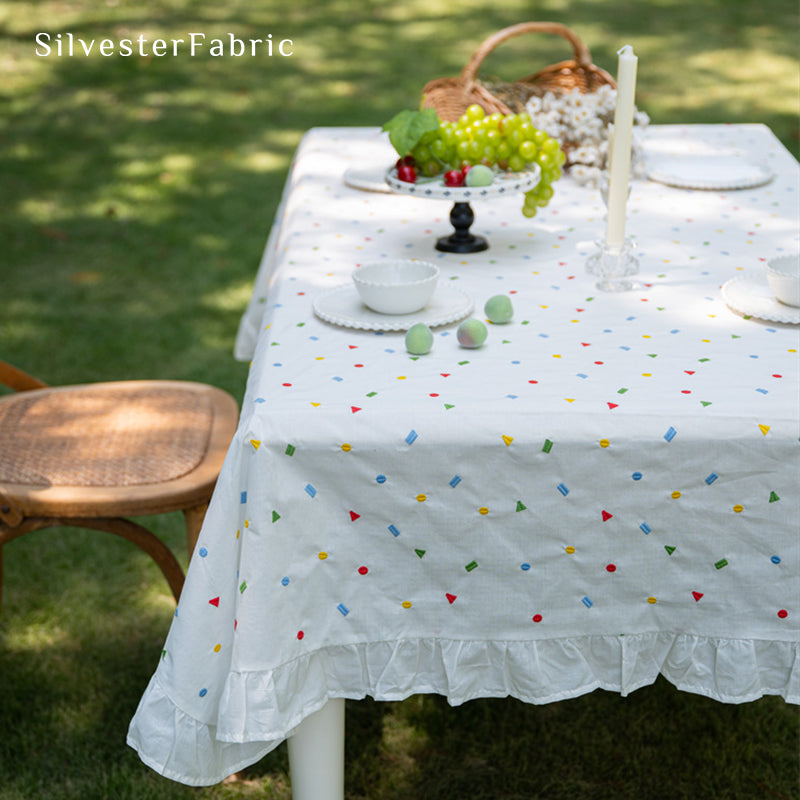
(471,333)
(479,175)
(498,309)
(419,339)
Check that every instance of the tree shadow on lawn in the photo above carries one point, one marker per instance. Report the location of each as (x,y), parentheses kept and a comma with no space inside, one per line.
(657,743)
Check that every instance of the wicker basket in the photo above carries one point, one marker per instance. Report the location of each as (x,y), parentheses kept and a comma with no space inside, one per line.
(452,96)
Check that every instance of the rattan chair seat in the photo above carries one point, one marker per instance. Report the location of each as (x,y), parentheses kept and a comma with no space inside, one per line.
(121,435)
(92,455)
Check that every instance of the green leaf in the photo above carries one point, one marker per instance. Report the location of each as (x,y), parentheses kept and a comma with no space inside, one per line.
(406,128)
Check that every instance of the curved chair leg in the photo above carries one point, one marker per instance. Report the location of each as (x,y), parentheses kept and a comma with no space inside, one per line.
(194,521)
(131,531)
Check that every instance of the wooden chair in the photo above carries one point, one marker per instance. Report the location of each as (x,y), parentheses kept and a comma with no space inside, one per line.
(91,455)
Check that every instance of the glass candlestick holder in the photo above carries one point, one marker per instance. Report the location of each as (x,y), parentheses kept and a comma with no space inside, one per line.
(613,264)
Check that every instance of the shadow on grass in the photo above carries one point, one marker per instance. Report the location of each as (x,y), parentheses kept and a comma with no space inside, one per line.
(658,744)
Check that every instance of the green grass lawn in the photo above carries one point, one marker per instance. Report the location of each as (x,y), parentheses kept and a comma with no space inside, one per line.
(135,199)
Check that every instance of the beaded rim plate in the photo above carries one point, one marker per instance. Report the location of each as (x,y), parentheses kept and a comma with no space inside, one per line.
(708,172)
(504,183)
(751,296)
(343,306)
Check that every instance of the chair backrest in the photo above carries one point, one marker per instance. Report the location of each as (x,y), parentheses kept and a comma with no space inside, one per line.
(18,380)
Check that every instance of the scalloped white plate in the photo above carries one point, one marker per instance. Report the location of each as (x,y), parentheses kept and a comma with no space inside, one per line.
(709,172)
(749,294)
(343,306)
(504,183)
(368,179)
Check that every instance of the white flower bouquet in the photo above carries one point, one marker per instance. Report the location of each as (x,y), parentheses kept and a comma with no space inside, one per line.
(582,124)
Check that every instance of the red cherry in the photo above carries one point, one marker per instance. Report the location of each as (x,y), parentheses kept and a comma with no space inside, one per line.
(465,168)
(407,173)
(406,161)
(454,177)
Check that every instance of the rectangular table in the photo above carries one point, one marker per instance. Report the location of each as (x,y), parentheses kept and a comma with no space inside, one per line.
(604,492)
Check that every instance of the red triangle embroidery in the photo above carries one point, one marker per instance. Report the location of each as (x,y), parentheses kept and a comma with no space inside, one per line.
(354,409)
(612,405)
(606,516)
(697,595)
(354,516)
(451,598)
(214,602)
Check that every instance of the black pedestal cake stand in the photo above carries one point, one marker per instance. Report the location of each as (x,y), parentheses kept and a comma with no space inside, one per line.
(462,240)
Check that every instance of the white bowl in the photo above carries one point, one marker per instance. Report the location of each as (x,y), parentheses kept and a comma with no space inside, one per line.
(396,287)
(783,277)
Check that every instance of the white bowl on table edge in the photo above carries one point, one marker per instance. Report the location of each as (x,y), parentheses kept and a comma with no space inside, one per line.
(783,277)
(400,286)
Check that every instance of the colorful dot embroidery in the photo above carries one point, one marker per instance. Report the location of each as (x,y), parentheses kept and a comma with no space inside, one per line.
(599,464)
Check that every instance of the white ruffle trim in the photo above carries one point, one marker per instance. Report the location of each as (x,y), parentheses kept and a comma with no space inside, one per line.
(258,710)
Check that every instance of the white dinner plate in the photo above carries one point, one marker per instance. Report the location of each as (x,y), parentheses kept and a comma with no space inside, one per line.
(503,183)
(721,173)
(368,179)
(343,306)
(749,294)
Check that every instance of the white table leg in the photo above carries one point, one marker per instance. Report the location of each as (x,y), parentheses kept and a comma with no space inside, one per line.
(316,755)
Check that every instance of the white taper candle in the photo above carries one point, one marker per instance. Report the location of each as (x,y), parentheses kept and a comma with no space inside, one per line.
(620,154)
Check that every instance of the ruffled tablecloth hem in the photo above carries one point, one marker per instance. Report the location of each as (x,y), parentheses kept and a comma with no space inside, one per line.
(253,717)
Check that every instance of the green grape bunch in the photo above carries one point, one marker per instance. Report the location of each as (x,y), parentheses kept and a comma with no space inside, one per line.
(508,142)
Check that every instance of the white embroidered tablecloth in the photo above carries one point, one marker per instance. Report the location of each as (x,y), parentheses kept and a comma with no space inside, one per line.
(606,491)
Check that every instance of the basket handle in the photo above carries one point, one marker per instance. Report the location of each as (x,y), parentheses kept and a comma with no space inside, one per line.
(582,56)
